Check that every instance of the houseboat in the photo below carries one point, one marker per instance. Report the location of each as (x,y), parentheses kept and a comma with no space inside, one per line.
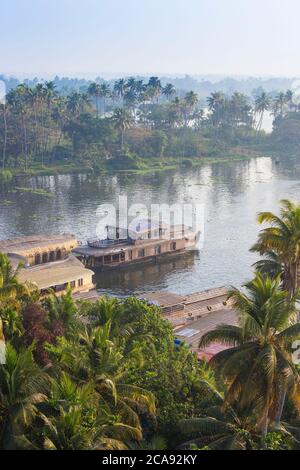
(145,241)
(47,263)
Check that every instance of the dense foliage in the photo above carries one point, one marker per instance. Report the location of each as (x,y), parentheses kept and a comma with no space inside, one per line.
(108,374)
(131,124)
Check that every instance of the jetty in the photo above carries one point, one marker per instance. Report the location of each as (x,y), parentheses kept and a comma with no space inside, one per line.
(195,314)
(181,310)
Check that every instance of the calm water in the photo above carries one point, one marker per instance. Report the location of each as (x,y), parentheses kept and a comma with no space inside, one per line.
(232,195)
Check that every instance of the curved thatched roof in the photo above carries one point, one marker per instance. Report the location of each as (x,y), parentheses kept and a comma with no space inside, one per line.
(37,243)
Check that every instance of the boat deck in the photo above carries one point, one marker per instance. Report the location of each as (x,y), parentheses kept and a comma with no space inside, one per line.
(192,331)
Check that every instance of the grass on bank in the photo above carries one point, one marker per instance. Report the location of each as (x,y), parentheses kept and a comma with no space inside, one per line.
(142,166)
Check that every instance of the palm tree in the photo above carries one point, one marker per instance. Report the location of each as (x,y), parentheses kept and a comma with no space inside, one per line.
(198,118)
(280,243)
(131,83)
(262,104)
(49,92)
(99,357)
(2,344)
(120,87)
(94,91)
(226,427)
(169,91)
(62,308)
(3,108)
(122,120)
(279,104)
(258,367)
(10,288)
(21,387)
(154,84)
(176,113)
(289,99)
(77,103)
(77,420)
(18,100)
(66,431)
(215,105)
(104,92)
(191,99)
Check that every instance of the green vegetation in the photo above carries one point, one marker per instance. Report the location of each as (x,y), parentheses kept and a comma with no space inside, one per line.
(136,126)
(5,176)
(108,375)
(37,192)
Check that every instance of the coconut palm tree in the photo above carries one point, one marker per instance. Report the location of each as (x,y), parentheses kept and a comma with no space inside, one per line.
(279,104)
(258,367)
(66,431)
(225,426)
(122,120)
(120,87)
(18,100)
(62,308)
(189,102)
(77,103)
(176,113)
(289,94)
(76,419)
(11,292)
(3,108)
(104,93)
(280,243)
(10,288)
(2,344)
(95,92)
(49,92)
(131,83)
(22,384)
(262,104)
(131,99)
(154,84)
(169,91)
(216,106)
(191,99)
(99,357)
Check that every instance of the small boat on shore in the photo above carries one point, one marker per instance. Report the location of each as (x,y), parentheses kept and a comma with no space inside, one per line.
(146,241)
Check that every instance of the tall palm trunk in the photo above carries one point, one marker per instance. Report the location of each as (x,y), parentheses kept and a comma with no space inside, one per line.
(5,138)
(263,425)
(25,141)
(292,278)
(36,130)
(281,401)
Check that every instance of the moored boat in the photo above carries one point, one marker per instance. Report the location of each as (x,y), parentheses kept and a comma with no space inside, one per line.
(143,242)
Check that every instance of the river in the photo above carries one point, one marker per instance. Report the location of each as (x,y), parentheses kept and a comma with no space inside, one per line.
(232,194)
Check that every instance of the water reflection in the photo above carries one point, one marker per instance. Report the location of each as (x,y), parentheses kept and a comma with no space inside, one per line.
(232,194)
(145,277)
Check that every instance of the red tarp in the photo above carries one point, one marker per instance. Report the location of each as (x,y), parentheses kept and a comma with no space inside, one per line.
(210,351)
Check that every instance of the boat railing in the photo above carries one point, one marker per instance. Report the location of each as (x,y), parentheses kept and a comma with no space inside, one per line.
(96,243)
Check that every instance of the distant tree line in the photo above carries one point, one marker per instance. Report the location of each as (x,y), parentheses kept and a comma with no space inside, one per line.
(131,118)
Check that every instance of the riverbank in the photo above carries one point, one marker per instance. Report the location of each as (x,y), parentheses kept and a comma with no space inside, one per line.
(145,165)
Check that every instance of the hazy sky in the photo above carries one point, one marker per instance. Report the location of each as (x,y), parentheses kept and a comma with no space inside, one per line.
(257,37)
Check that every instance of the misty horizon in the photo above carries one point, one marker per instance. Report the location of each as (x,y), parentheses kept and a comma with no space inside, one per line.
(170,38)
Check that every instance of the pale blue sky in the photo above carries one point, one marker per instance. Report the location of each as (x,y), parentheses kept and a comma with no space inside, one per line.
(257,37)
